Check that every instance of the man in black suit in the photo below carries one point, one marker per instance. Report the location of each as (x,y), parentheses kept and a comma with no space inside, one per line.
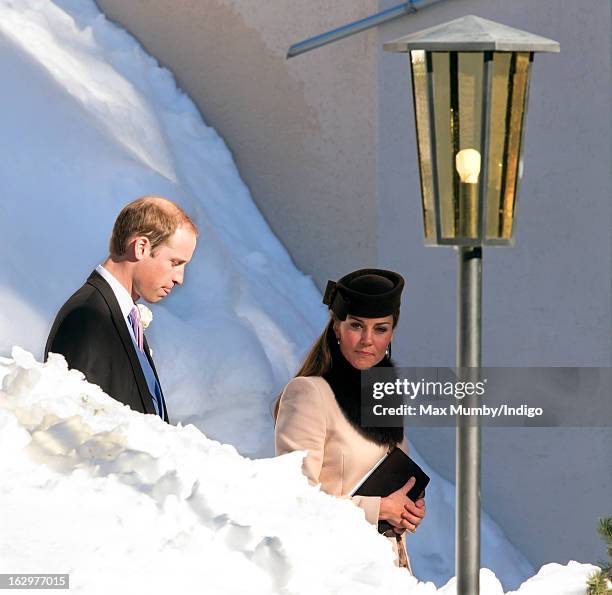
(98,330)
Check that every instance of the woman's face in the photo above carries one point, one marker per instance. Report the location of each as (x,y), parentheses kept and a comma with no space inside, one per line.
(363,341)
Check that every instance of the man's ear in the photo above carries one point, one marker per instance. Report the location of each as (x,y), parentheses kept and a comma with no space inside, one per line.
(141,247)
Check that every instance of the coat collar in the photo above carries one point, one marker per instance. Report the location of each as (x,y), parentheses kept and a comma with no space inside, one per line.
(124,299)
(98,282)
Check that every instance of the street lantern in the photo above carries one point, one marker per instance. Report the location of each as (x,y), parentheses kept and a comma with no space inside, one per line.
(470,80)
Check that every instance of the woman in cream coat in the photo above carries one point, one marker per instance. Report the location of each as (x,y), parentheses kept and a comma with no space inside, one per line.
(319,410)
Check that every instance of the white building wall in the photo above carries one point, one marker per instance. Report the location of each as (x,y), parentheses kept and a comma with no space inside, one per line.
(547,300)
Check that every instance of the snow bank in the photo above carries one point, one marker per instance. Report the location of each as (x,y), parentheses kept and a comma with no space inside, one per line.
(91,122)
(126,503)
(99,491)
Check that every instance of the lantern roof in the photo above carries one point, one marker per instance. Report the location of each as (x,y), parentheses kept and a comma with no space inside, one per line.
(472,34)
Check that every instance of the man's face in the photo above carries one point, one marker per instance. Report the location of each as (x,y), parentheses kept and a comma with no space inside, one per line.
(156,274)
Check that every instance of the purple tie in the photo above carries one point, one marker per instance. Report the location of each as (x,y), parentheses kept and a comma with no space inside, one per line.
(134,318)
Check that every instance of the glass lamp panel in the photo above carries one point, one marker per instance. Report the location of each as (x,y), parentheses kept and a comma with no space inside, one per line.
(421,111)
(500,86)
(470,73)
(519,76)
(444,130)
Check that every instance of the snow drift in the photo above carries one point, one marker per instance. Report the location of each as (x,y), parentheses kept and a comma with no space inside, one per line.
(126,503)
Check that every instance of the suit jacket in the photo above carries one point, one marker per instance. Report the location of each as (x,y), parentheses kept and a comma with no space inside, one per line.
(92,334)
(309,418)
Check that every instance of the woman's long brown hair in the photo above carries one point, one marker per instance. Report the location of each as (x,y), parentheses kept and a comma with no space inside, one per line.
(317,362)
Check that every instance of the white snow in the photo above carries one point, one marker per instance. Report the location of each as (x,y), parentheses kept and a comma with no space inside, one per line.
(126,503)
(89,122)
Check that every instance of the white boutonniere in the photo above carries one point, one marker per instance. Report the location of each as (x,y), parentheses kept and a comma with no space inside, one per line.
(146,316)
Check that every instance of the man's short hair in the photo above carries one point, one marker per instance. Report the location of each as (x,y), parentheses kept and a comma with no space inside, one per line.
(154,217)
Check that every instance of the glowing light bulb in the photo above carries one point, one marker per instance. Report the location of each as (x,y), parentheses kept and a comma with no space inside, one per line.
(467,162)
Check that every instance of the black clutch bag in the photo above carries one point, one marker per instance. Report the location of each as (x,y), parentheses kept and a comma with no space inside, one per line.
(389,475)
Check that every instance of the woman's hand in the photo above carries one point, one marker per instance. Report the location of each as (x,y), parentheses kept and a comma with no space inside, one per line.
(401,511)
(414,513)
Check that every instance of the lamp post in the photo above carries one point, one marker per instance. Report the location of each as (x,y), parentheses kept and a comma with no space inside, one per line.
(470,80)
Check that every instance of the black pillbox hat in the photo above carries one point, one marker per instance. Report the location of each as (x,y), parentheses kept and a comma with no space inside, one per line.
(371,293)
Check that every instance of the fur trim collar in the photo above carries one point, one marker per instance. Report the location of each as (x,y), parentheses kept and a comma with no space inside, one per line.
(345,382)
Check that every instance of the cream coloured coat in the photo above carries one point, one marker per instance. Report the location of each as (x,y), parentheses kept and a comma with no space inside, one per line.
(309,418)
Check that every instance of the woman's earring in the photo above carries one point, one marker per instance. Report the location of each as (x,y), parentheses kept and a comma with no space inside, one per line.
(388,352)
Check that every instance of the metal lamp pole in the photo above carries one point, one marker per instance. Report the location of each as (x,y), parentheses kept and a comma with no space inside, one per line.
(468,348)
(467,473)
(469,81)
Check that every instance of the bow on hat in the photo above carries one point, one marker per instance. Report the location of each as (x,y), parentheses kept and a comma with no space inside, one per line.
(334,300)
